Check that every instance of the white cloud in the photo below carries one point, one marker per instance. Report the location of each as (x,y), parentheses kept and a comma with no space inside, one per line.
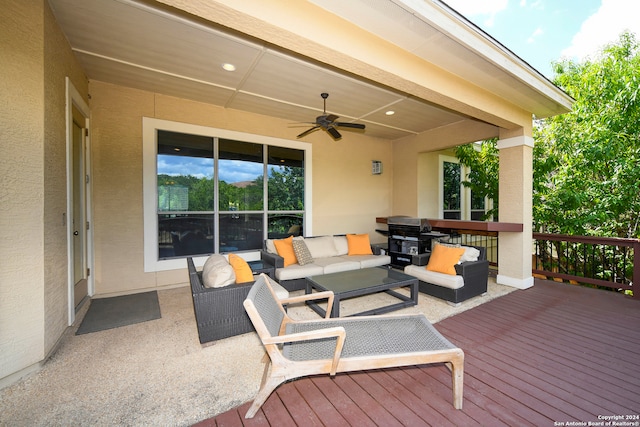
(488,8)
(604,27)
(537,33)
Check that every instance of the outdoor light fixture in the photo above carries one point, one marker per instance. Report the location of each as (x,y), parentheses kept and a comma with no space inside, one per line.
(376,167)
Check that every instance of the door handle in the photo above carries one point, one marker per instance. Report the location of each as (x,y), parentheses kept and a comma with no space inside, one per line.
(75,233)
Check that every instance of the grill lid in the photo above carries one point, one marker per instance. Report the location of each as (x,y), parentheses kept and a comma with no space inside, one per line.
(407,221)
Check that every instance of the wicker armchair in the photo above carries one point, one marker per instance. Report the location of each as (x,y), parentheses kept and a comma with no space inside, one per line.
(219,311)
(474,273)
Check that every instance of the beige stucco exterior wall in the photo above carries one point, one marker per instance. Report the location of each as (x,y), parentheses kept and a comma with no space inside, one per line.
(33,278)
(409,197)
(346,196)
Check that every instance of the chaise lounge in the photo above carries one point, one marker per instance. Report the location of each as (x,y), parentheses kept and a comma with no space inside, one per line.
(296,349)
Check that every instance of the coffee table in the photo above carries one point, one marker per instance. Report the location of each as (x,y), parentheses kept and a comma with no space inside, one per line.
(366,281)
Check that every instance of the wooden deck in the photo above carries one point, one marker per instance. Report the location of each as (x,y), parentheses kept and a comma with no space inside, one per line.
(551,355)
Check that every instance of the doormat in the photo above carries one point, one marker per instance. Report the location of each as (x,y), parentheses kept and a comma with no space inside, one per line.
(114,312)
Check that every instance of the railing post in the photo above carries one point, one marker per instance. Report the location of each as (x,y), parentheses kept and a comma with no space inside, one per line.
(635,287)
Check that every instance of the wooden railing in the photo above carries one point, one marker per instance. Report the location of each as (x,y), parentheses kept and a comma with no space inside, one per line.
(602,261)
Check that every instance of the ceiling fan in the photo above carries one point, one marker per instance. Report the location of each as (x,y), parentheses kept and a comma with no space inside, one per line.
(328,122)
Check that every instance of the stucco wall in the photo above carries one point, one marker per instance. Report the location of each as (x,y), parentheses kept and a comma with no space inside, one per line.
(22,164)
(408,192)
(346,196)
(33,278)
(59,62)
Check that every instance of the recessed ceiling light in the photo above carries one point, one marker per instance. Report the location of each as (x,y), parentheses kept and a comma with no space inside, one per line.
(228,67)
(390,113)
(176,149)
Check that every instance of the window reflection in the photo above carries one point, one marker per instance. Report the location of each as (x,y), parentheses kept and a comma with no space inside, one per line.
(189,201)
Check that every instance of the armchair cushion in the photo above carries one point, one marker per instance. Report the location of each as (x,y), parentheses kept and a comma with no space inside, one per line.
(444,258)
(241,269)
(217,272)
(444,280)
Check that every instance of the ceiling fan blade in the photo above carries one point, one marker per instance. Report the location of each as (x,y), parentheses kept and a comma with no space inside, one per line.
(334,132)
(350,125)
(308,131)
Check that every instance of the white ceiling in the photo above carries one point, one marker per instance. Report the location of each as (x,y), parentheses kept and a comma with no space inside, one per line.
(150,47)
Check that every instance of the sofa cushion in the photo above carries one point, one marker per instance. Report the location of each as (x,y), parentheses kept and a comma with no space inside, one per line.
(285,250)
(321,247)
(367,261)
(359,244)
(302,252)
(241,269)
(217,272)
(297,271)
(342,245)
(443,258)
(435,278)
(336,264)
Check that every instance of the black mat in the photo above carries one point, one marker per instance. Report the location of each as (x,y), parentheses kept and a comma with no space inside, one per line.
(109,313)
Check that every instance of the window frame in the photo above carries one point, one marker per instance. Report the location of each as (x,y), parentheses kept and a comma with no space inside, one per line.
(465,192)
(150,126)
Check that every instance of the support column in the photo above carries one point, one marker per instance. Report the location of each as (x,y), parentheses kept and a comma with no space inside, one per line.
(516,198)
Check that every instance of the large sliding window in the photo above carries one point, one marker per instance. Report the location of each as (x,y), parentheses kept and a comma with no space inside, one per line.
(211,195)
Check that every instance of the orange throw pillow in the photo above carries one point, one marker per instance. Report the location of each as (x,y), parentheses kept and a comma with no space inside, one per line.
(444,258)
(359,244)
(241,268)
(285,250)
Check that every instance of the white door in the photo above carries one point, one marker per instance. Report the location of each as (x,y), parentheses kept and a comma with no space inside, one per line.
(78,218)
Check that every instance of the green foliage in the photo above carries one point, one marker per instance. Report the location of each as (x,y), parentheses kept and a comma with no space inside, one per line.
(587,162)
(286,188)
(484,165)
(286,192)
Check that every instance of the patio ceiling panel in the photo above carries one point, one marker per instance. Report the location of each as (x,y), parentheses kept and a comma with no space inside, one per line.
(131,75)
(415,116)
(285,78)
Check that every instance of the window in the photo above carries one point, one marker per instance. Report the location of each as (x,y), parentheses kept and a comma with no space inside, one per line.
(205,191)
(457,201)
(451,206)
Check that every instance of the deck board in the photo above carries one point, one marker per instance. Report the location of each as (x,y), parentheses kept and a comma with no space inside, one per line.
(552,353)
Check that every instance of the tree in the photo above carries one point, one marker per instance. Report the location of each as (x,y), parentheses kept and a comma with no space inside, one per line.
(587,162)
(484,167)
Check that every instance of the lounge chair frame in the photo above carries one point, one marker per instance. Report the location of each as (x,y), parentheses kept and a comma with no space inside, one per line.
(297,349)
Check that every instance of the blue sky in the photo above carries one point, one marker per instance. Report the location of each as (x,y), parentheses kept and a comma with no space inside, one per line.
(542,31)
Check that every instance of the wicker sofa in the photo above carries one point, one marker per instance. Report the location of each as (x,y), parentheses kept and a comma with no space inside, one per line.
(330,255)
(470,279)
(219,311)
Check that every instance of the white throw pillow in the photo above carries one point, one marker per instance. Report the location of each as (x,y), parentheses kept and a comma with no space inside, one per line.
(271,247)
(217,272)
(470,254)
(321,247)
